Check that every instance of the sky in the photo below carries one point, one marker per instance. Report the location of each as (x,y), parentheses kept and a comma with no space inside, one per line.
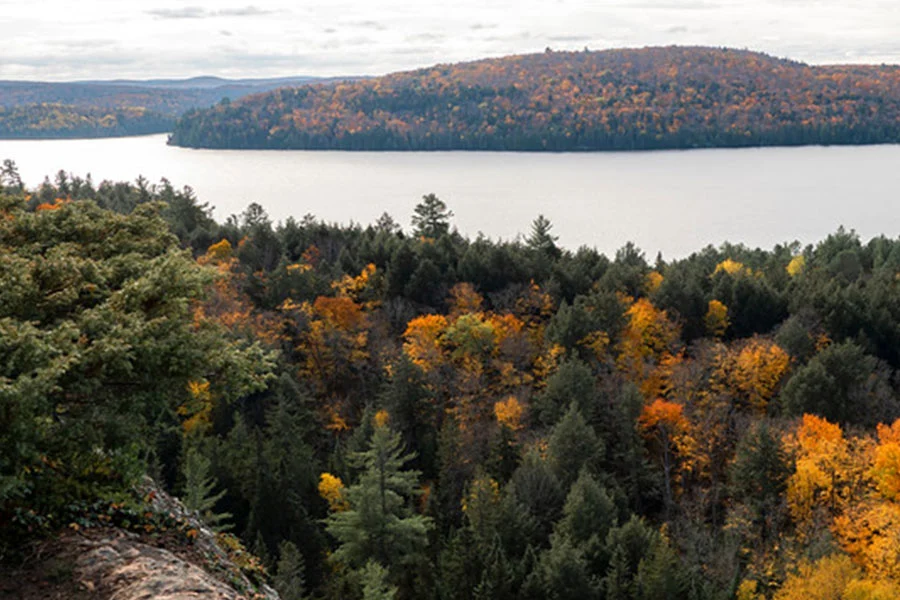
(59,40)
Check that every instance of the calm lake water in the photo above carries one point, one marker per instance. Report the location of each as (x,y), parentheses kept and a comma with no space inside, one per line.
(675,201)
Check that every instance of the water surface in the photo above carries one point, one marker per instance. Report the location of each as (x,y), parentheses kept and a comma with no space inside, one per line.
(670,201)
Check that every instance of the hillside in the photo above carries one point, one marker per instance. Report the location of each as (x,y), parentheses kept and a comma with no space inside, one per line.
(67,121)
(672,97)
(407,413)
(30,109)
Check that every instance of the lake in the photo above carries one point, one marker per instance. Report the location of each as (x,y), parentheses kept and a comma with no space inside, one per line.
(675,202)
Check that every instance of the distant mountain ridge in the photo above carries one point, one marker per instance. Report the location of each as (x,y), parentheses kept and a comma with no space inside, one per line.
(648,98)
(33,109)
(166,96)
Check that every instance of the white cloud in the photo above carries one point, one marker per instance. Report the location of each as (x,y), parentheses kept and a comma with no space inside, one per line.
(58,40)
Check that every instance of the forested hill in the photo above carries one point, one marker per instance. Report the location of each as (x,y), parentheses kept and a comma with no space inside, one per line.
(672,97)
(30,109)
(67,121)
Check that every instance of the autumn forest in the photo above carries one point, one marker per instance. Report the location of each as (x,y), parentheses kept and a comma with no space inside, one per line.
(398,411)
(626,99)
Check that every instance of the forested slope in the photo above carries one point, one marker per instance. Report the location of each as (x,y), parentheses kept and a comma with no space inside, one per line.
(673,97)
(31,109)
(405,412)
(65,121)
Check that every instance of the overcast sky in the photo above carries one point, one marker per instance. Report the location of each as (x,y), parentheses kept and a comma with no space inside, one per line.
(103,39)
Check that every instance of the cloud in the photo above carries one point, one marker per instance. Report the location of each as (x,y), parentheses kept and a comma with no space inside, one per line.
(247,11)
(187,12)
(569,38)
(426,37)
(196,12)
(671,5)
(84,44)
(375,25)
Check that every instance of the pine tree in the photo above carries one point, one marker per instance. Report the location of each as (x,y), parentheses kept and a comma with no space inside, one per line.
(431,218)
(380,523)
(540,239)
(374,583)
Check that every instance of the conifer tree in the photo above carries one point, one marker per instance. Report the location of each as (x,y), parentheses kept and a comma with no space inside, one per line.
(289,580)
(199,490)
(431,218)
(380,524)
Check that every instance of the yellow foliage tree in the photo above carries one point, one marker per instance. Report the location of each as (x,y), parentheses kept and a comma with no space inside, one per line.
(886,466)
(751,372)
(355,288)
(664,425)
(732,267)
(509,413)
(648,337)
(331,488)
(422,341)
(796,266)
(653,281)
(824,580)
(716,320)
(218,253)
(822,468)
(464,299)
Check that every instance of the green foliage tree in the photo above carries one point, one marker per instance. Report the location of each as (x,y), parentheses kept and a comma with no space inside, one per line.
(199,490)
(572,382)
(573,446)
(541,240)
(380,524)
(759,474)
(589,513)
(843,384)
(431,218)
(289,580)
(660,574)
(375,584)
(98,343)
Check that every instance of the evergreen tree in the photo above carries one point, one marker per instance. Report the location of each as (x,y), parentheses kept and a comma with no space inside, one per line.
(431,218)
(380,524)
(572,382)
(573,446)
(588,516)
(199,495)
(375,584)
(660,575)
(541,240)
(405,397)
(289,579)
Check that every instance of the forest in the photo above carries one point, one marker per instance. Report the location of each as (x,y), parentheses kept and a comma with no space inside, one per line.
(65,121)
(92,109)
(650,98)
(400,411)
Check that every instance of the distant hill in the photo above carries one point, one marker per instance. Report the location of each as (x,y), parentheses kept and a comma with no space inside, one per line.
(76,109)
(48,120)
(206,82)
(672,97)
